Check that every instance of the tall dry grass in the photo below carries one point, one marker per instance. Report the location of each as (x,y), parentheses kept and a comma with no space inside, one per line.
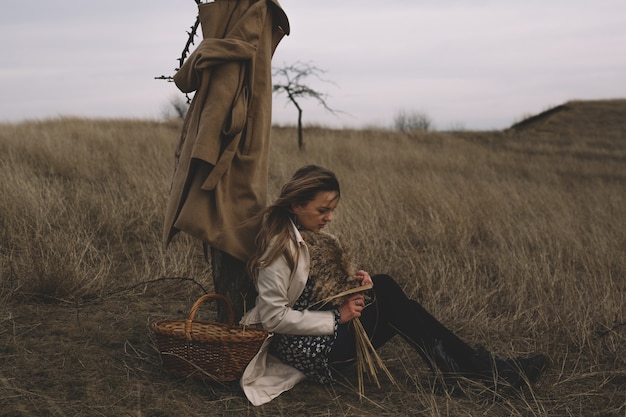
(82,206)
(513,241)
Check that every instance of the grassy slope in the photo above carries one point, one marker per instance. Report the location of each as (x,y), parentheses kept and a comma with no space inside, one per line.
(514,239)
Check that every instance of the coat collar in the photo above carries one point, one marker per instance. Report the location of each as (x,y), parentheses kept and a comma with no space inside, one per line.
(296,233)
(283,21)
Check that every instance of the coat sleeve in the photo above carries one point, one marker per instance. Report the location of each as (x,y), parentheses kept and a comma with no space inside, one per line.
(210,53)
(274,306)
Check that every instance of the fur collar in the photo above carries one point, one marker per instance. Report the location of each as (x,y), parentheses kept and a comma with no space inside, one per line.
(332,268)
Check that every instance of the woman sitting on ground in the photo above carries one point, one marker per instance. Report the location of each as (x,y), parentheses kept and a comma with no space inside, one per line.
(305,342)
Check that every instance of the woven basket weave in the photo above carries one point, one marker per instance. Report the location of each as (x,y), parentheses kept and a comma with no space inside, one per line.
(207,350)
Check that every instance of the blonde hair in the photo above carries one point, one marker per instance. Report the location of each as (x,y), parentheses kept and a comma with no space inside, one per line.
(275,231)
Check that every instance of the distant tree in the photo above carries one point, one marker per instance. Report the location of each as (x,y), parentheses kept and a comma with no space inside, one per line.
(292,80)
(180,106)
(407,122)
(176,108)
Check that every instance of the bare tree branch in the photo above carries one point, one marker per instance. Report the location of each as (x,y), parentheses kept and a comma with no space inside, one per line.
(191,35)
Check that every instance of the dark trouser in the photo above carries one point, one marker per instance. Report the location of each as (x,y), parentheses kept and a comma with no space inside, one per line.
(393,313)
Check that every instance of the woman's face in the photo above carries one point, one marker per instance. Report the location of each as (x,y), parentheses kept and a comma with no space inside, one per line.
(317,213)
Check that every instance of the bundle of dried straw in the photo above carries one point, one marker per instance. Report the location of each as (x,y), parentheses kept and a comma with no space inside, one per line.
(333,270)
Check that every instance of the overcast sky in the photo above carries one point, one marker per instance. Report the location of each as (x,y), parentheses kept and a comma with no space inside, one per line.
(474,64)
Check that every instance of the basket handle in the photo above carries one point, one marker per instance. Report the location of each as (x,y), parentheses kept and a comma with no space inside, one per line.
(196,305)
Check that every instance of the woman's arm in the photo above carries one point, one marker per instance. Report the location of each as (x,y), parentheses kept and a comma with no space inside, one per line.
(274,305)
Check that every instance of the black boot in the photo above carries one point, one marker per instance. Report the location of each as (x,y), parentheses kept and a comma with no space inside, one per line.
(448,372)
(443,361)
(509,372)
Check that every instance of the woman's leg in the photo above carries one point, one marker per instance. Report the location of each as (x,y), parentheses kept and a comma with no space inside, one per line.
(393,313)
(438,346)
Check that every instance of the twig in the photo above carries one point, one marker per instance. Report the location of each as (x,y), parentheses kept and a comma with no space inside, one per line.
(321,303)
(610,330)
(159,280)
(367,358)
(347,385)
(603,374)
(190,41)
(74,302)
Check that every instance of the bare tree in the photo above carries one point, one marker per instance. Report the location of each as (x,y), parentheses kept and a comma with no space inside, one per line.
(177,107)
(292,80)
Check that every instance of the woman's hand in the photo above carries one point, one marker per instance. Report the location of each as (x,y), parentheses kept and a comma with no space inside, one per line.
(363,277)
(351,308)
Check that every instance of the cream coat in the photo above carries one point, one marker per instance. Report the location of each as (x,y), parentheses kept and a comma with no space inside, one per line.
(279,288)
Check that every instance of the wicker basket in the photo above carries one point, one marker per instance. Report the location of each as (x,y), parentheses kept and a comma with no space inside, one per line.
(207,350)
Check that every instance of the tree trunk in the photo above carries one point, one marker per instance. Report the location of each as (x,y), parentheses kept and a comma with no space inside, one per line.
(300,138)
(231,280)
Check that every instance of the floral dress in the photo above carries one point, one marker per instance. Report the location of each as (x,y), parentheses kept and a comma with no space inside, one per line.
(308,354)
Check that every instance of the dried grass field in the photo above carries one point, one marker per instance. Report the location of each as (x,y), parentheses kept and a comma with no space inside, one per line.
(514,239)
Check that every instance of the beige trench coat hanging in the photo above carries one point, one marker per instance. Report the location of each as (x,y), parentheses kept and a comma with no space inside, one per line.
(220,177)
